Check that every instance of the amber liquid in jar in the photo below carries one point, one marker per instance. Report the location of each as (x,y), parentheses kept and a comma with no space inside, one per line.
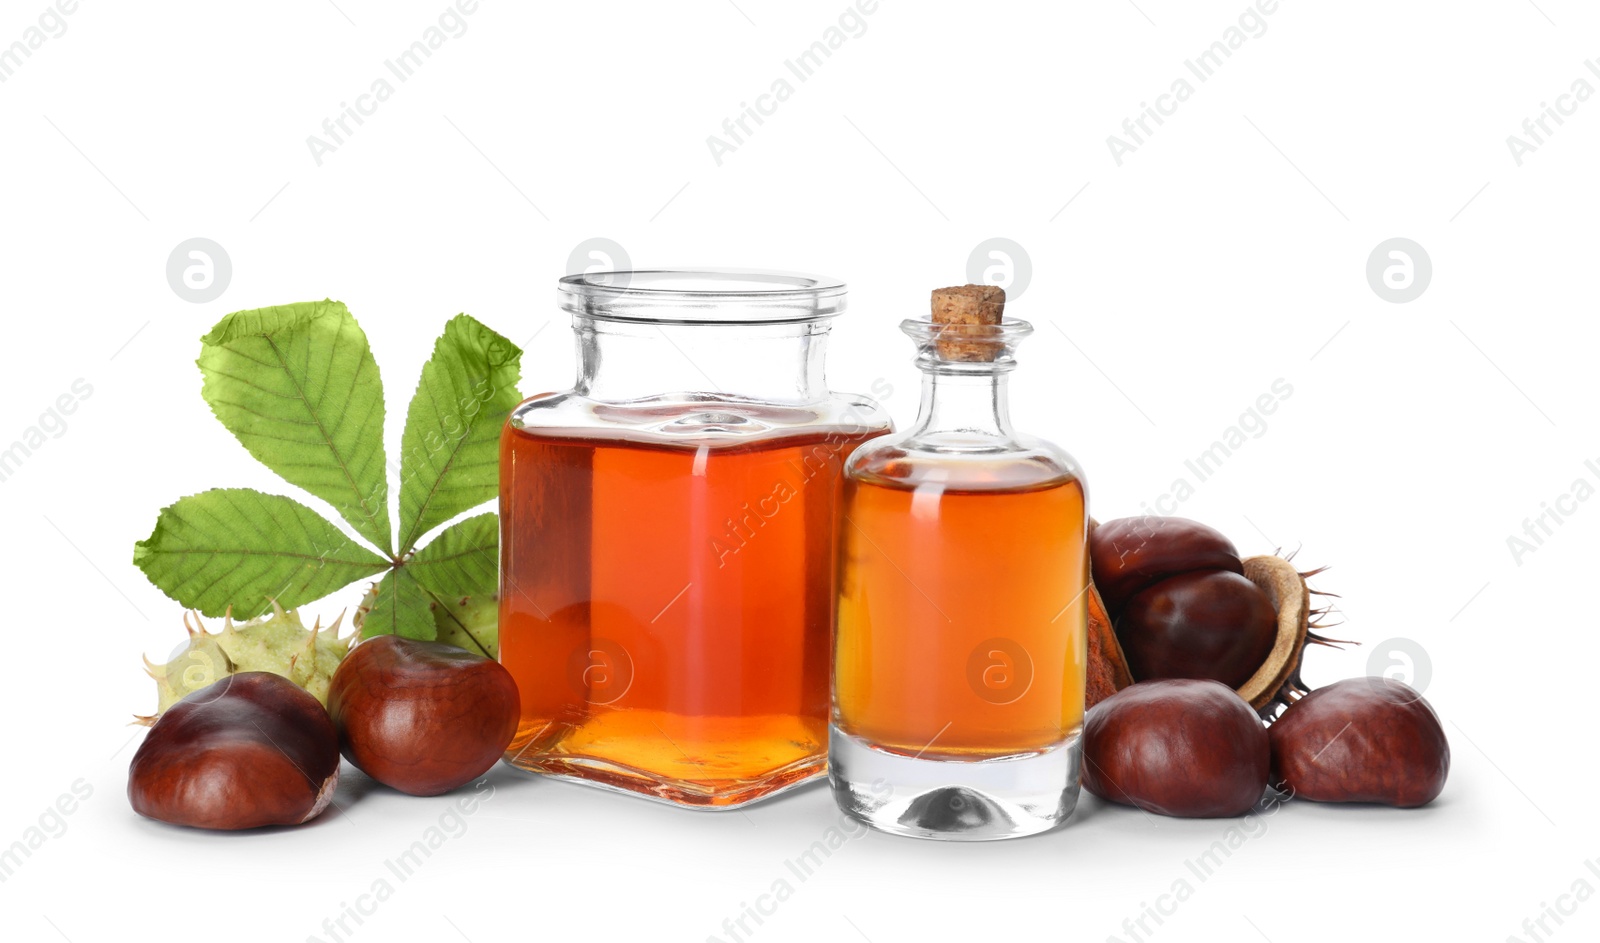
(666,608)
(958,609)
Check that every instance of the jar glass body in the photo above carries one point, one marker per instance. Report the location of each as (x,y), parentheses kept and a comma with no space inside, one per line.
(668,538)
(960,651)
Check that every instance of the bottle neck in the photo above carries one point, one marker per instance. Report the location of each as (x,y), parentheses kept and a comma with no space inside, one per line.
(776,362)
(969,402)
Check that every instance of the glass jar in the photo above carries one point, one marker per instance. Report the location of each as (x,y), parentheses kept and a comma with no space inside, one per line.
(962,627)
(668,537)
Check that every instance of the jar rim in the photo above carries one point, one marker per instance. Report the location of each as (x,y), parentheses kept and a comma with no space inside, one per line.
(702,295)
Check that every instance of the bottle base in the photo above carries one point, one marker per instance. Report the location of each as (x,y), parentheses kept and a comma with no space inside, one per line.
(952,799)
(714,795)
(690,761)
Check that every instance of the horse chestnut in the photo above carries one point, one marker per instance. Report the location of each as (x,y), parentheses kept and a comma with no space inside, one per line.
(1176,747)
(1361,740)
(252,749)
(422,717)
(1212,624)
(1131,553)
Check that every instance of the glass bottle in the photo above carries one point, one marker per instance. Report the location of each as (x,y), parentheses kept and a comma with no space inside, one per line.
(961,640)
(668,537)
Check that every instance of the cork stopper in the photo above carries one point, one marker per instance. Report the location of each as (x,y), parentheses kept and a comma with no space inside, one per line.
(972,314)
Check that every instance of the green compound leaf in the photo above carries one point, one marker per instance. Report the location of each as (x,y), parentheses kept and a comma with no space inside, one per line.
(463,560)
(240,547)
(450,451)
(400,608)
(298,386)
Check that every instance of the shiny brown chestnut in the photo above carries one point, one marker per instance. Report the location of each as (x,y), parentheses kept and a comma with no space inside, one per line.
(1212,624)
(422,717)
(1177,747)
(1361,740)
(253,749)
(1131,553)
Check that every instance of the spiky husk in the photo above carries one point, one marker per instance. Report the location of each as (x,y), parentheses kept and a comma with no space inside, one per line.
(467,622)
(278,642)
(369,601)
(471,622)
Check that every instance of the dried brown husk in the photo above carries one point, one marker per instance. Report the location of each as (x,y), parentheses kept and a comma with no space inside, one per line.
(1107,669)
(1277,683)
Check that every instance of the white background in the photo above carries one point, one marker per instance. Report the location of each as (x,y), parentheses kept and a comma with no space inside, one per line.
(1226,252)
